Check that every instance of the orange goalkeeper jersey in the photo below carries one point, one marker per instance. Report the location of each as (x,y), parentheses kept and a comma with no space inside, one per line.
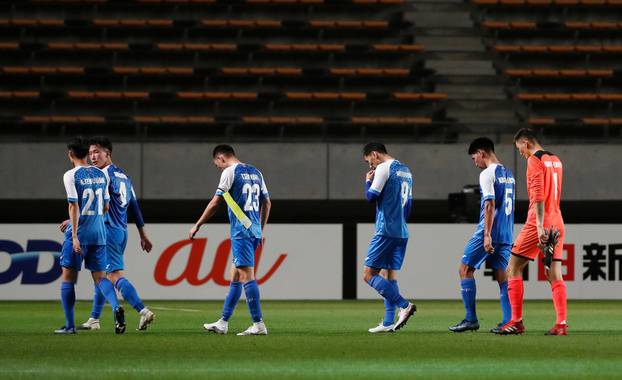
(544,184)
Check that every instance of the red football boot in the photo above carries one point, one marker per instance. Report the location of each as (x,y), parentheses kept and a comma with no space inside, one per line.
(512,328)
(558,330)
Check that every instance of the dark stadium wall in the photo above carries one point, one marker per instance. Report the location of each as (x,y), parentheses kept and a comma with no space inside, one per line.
(300,171)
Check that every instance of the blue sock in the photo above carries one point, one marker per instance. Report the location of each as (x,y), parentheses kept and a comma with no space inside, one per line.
(231,301)
(386,290)
(68,299)
(107,289)
(98,303)
(389,308)
(129,293)
(468,298)
(506,308)
(252,299)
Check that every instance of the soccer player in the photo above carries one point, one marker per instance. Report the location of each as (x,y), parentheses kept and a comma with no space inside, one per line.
(244,190)
(85,239)
(492,240)
(122,198)
(544,186)
(389,184)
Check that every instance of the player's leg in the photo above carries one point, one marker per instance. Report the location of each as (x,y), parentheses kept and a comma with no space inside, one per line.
(71,263)
(389,308)
(468,291)
(221,326)
(244,260)
(499,262)
(558,288)
(388,322)
(99,301)
(388,253)
(96,263)
(473,257)
(68,299)
(515,293)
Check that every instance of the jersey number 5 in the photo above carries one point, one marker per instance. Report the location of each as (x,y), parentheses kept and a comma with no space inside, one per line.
(252,197)
(509,201)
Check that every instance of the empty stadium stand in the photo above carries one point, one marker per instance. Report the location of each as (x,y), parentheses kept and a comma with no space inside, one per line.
(257,68)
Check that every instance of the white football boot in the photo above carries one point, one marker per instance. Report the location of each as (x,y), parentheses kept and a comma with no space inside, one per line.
(219,327)
(404,315)
(382,329)
(146,317)
(257,328)
(91,324)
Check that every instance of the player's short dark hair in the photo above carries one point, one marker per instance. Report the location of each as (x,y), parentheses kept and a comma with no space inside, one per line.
(102,141)
(526,133)
(79,147)
(374,147)
(482,143)
(223,149)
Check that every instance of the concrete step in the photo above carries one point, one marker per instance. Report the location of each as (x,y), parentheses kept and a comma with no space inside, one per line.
(451,44)
(462,67)
(474,92)
(437,19)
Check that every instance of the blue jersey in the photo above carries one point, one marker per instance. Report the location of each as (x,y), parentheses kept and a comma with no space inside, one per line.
(88,186)
(246,186)
(497,183)
(392,188)
(121,196)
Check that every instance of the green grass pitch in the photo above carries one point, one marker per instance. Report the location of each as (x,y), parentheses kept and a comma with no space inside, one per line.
(311,340)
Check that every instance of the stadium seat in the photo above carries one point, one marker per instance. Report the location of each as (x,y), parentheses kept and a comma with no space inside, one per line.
(37,70)
(263,23)
(196,46)
(261,71)
(63,119)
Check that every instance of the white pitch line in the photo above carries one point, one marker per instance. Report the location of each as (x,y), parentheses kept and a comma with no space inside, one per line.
(176,309)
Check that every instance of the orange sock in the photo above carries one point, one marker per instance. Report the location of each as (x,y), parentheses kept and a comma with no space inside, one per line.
(515,293)
(559,300)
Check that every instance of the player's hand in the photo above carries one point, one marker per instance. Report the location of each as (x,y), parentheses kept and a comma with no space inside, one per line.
(488,244)
(146,244)
(543,235)
(63,225)
(76,246)
(193,231)
(370,175)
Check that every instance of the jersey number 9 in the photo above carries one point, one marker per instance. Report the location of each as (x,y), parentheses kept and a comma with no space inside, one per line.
(405,193)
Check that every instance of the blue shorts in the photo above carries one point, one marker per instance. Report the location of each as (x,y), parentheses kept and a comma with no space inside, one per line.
(475,255)
(386,252)
(94,257)
(244,251)
(116,241)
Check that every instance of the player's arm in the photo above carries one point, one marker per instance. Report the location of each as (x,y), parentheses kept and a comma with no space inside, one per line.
(73,209)
(487,186)
(489,214)
(536,171)
(266,204)
(375,181)
(74,214)
(226,181)
(209,211)
(106,193)
(145,243)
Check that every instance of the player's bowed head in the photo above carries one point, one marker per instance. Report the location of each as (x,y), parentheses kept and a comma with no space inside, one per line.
(526,142)
(224,156)
(374,154)
(482,152)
